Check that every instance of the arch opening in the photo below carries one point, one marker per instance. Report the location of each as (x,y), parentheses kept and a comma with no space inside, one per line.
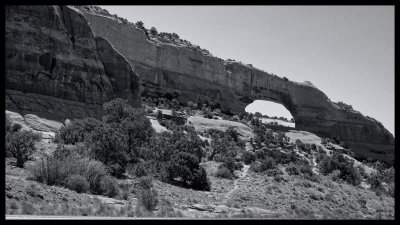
(272,113)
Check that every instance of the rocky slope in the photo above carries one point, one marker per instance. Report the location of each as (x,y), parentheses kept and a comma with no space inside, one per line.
(56,68)
(186,73)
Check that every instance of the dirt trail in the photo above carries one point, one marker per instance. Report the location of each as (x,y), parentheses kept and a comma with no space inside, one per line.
(235,184)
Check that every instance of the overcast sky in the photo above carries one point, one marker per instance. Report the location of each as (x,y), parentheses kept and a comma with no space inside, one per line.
(346,51)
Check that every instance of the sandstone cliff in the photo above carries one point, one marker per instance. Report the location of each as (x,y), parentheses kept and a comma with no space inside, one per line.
(186,72)
(57,69)
(56,65)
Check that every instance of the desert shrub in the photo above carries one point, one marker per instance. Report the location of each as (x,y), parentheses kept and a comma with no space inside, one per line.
(108,145)
(139,170)
(320,156)
(279,178)
(56,170)
(46,170)
(316,196)
(27,208)
(21,145)
(137,127)
(232,132)
(238,165)
(207,113)
(14,127)
(13,204)
(153,31)
(267,163)
(159,115)
(222,146)
(77,183)
(116,110)
(308,173)
(335,175)
(7,124)
(382,175)
(64,151)
(124,191)
(306,169)
(77,131)
(200,180)
(230,164)
(57,137)
(147,195)
(260,154)
(264,165)
(346,167)
(274,172)
(361,169)
(248,157)
(108,186)
(303,147)
(94,173)
(167,210)
(224,172)
(281,157)
(292,169)
(140,24)
(116,170)
(351,175)
(313,147)
(183,165)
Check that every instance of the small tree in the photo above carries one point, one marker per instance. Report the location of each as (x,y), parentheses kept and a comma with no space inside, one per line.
(77,183)
(183,166)
(153,31)
(140,24)
(117,110)
(21,145)
(200,180)
(108,145)
(147,195)
(220,145)
(231,131)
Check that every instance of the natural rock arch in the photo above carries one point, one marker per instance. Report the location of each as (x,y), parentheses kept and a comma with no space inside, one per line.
(166,68)
(80,78)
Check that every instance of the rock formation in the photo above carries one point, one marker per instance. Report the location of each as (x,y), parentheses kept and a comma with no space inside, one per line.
(186,73)
(57,69)
(52,55)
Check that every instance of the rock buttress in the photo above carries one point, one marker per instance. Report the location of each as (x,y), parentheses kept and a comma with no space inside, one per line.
(53,67)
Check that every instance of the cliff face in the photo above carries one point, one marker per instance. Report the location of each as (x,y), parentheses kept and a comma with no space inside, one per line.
(186,73)
(56,68)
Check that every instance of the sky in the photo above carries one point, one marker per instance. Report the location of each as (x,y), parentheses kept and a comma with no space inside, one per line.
(345,51)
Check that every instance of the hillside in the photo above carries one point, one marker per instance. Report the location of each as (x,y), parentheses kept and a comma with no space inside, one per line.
(274,193)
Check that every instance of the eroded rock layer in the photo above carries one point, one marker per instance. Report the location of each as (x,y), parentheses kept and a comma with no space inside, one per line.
(55,67)
(187,73)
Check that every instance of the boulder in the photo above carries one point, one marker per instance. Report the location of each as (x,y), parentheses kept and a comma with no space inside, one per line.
(41,124)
